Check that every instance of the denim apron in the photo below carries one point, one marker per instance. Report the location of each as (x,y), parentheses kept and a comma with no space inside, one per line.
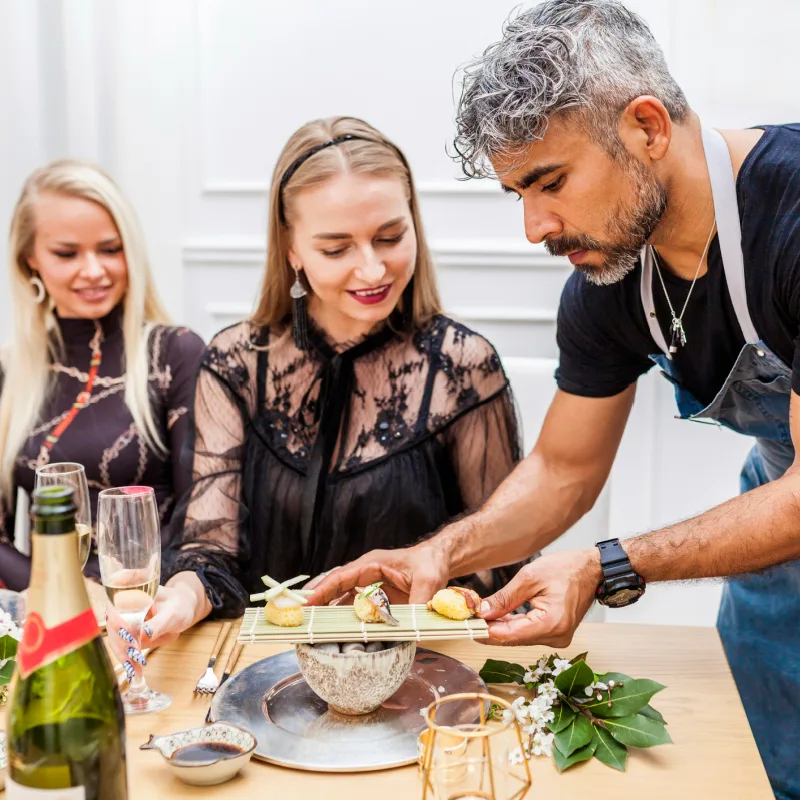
(759,619)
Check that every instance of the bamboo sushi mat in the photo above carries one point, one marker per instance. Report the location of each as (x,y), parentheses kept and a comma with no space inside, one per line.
(340,624)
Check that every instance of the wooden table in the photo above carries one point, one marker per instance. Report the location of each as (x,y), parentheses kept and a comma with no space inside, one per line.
(714,755)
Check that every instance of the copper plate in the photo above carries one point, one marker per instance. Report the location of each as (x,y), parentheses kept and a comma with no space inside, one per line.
(294,727)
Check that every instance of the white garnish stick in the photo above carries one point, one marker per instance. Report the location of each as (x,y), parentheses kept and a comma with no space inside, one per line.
(271,582)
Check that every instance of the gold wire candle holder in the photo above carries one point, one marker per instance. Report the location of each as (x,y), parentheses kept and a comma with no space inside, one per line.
(476,761)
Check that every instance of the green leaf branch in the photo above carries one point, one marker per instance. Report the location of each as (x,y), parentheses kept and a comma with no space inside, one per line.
(575,714)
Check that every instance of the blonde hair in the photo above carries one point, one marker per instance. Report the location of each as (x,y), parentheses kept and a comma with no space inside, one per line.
(36,337)
(373,154)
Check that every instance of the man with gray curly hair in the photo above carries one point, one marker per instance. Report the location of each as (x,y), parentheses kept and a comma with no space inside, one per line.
(686,246)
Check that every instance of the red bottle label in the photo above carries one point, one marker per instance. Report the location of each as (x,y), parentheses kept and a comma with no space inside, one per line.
(41,645)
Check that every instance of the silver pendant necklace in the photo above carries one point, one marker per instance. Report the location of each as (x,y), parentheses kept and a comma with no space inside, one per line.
(678,337)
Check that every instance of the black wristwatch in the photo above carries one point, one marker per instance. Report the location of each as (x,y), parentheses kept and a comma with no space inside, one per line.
(621,586)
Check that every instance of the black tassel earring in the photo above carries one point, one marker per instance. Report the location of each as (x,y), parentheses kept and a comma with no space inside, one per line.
(408,307)
(299,313)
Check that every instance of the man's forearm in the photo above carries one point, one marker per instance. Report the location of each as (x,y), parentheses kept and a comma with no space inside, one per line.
(750,532)
(530,509)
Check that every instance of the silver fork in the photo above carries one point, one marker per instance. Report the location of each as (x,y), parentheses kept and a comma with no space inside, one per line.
(209,682)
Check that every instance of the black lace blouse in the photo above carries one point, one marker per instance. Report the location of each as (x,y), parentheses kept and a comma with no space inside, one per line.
(305,460)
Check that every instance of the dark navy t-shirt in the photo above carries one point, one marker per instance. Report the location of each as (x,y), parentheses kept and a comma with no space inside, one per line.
(603,337)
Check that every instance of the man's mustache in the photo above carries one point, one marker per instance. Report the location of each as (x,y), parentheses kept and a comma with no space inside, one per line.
(564,245)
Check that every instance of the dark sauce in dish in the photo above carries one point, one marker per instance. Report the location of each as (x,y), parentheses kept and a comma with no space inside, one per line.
(200,752)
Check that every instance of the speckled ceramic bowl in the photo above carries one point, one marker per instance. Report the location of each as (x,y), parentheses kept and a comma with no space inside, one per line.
(356,683)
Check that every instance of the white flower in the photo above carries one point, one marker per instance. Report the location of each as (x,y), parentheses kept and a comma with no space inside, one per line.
(508,717)
(8,627)
(612,684)
(529,677)
(543,744)
(548,688)
(594,687)
(515,756)
(532,729)
(559,665)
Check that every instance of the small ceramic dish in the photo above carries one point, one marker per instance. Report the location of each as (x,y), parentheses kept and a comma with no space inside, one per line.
(205,756)
(356,683)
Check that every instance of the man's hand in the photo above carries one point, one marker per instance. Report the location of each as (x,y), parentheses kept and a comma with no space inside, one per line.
(561,588)
(410,575)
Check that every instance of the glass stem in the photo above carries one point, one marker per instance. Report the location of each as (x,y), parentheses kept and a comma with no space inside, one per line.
(138,686)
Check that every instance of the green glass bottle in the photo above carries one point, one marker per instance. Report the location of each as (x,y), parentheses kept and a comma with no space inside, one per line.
(65,726)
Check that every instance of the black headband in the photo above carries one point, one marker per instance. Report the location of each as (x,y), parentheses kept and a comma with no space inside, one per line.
(297,163)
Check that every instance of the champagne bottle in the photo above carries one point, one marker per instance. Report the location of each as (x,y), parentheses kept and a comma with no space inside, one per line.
(65,727)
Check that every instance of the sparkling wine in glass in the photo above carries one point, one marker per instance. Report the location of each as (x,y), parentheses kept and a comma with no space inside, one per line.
(129,546)
(69,473)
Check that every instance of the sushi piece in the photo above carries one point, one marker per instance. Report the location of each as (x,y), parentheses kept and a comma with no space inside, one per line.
(284,611)
(284,605)
(455,602)
(372,605)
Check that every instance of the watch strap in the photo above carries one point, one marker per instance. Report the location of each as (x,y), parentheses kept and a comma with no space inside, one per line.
(614,560)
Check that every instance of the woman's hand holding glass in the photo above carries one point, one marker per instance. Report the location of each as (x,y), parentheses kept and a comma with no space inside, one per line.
(175,610)
(129,547)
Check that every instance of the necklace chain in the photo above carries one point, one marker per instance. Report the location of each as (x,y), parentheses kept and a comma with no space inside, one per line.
(676,326)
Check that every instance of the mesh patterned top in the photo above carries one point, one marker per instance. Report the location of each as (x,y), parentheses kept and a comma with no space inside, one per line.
(103,436)
(307,459)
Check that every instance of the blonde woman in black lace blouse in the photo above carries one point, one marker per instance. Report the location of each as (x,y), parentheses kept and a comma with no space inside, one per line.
(360,416)
(94,373)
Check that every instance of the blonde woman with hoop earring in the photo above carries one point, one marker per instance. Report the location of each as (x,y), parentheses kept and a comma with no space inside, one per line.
(94,373)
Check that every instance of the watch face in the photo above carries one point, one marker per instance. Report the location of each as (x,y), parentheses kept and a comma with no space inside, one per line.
(624,597)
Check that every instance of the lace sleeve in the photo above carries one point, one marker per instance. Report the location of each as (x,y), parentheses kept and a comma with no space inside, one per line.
(485,446)
(472,404)
(211,516)
(183,353)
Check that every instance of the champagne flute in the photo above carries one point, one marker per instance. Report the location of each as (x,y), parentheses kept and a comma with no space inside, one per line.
(69,473)
(129,546)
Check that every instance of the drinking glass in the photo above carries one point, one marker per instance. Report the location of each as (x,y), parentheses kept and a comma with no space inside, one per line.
(129,547)
(477,760)
(68,473)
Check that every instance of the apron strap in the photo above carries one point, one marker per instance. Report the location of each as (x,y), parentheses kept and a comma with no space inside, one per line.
(726,210)
(647,301)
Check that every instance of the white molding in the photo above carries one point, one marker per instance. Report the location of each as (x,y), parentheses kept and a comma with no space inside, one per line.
(471,313)
(454,188)
(462,253)
(248,251)
(503,314)
(238,310)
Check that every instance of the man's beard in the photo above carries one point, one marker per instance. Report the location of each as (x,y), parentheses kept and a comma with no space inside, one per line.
(629,228)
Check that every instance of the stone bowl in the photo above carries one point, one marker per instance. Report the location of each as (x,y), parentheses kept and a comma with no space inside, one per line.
(356,683)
